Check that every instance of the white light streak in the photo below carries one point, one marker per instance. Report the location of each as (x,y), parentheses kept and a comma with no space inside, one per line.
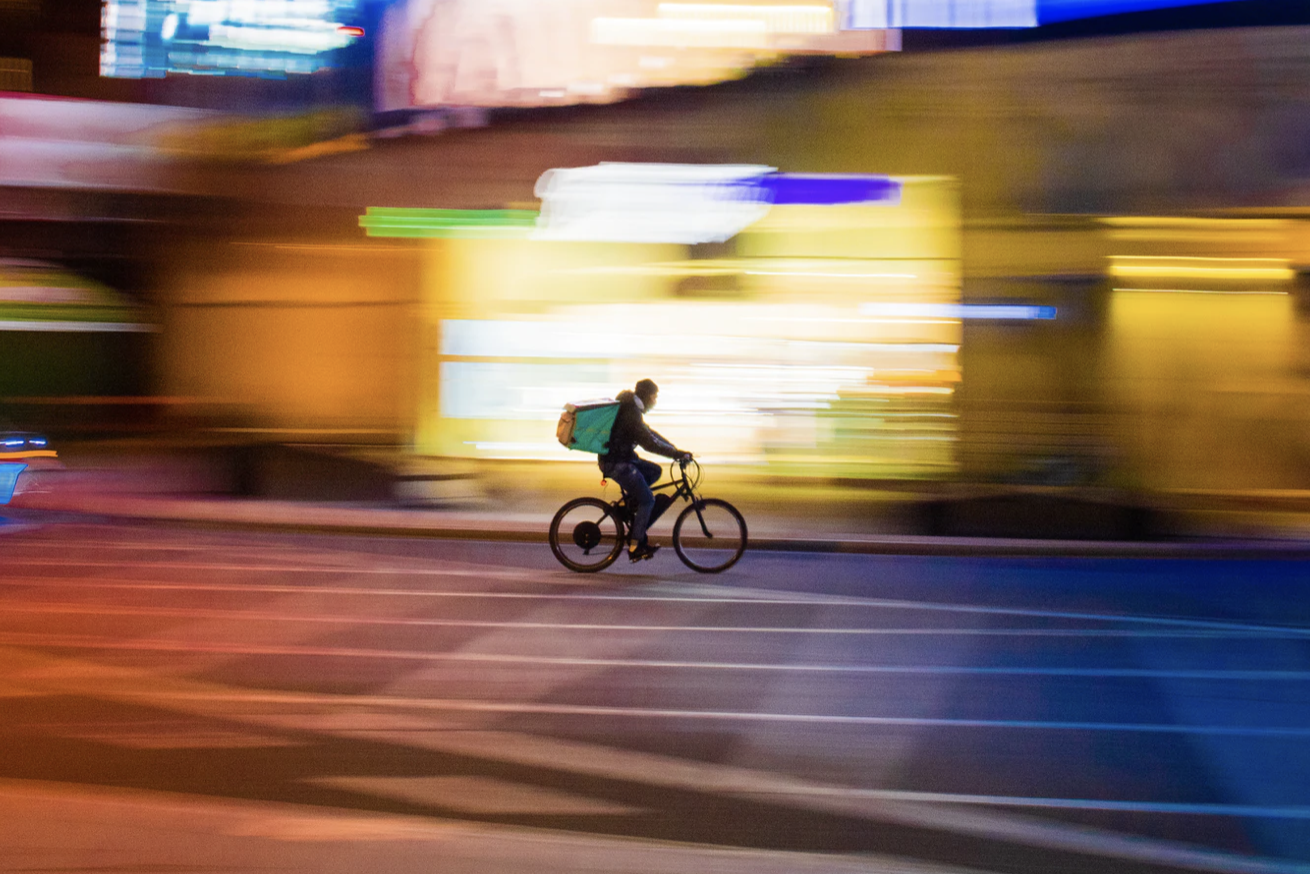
(274,39)
(822,275)
(794,19)
(675,33)
(649,203)
(955,311)
(74,327)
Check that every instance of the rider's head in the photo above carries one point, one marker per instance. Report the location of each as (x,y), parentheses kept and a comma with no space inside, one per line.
(648,391)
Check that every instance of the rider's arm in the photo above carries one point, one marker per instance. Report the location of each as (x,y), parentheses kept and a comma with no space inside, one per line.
(653,442)
(679,454)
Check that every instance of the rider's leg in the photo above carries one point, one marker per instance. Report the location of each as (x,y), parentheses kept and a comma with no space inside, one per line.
(640,497)
(652,472)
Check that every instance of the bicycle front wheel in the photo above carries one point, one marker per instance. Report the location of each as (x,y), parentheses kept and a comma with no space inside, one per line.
(709,536)
(585,535)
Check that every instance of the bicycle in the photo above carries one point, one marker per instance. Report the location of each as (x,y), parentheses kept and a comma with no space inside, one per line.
(588,534)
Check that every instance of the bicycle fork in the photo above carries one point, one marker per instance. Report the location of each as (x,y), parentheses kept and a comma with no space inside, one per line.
(699,505)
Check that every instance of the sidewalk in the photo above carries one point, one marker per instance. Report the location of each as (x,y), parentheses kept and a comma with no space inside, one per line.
(517,503)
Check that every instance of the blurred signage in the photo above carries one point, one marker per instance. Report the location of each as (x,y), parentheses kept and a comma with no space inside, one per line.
(272,38)
(685,203)
(968,14)
(857,14)
(640,203)
(514,53)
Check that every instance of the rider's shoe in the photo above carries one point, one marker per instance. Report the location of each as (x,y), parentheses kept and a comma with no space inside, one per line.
(641,551)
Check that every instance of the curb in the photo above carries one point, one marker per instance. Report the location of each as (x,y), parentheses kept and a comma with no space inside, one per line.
(521,532)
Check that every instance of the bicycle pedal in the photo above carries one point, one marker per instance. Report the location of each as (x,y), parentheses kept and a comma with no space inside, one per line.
(637,555)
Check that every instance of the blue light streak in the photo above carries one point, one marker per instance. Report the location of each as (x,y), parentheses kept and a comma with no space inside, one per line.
(782,189)
(1053,11)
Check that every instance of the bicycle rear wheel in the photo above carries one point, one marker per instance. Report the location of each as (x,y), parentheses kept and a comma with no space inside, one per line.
(709,536)
(585,535)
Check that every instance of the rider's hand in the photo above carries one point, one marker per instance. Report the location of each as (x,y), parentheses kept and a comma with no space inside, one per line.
(684,457)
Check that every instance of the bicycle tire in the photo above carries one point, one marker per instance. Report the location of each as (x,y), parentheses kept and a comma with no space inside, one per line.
(576,551)
(726,526)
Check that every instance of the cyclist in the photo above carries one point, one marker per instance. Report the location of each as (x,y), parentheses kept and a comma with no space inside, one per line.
(637,475)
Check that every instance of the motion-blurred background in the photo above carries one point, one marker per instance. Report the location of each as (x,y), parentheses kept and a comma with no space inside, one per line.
(1060,246)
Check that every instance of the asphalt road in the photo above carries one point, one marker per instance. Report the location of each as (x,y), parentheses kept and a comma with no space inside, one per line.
(232,701)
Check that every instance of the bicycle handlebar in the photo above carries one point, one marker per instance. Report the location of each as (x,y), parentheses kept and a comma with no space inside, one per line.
(688,461)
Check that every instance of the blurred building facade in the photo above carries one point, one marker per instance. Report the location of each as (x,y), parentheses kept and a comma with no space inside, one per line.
(1151,189)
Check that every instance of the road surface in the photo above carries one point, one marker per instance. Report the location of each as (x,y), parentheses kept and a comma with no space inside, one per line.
(218,700)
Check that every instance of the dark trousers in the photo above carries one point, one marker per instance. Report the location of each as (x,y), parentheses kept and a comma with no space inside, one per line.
(636,477)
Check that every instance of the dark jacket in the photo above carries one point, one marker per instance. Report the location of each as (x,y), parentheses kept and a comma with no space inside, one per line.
(630,431)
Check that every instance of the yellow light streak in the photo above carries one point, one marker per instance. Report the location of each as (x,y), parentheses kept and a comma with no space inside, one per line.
(831,275)
(906,390)
(1190,235)
(731,267)
(1197,291)
(1197,258)
(1198,267)
(1144,272)
(1198,223)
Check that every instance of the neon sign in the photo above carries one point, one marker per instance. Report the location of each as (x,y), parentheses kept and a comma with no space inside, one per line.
(151,38)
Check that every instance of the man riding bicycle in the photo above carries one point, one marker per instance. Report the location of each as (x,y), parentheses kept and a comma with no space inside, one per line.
(636,475)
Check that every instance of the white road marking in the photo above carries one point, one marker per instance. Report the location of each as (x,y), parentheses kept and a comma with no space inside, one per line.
(218,647)
(44,607)
(575,596)
(1180,622)
(1182,808)
(275,568)
(154,546)
(473,705)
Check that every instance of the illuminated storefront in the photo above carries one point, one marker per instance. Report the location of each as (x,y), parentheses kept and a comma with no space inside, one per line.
(810,324)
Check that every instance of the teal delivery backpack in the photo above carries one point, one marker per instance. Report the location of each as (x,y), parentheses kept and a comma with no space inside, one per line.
(586,426)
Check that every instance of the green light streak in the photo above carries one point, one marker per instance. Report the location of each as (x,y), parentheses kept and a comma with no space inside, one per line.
(458,224)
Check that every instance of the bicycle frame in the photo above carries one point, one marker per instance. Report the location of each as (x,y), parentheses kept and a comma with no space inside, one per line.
(683,488)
